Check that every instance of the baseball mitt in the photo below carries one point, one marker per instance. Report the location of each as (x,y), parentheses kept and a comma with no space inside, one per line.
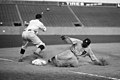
(63,37)
(102,62)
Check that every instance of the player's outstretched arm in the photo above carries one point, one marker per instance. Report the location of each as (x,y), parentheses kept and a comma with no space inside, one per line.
(96,61)
(102,62)
(43,28)
(66,39)
(26,23)
(69,40)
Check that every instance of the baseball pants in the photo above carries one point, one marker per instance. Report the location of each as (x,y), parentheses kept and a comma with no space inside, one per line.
(65,59)
(30,36)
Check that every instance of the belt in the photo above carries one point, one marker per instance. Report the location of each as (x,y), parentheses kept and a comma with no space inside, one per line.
(31,30)
(28,30)
(73,52)
(83,53)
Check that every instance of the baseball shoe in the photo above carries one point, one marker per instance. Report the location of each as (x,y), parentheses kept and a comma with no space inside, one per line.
(20,60)
(38,55)
(51,59)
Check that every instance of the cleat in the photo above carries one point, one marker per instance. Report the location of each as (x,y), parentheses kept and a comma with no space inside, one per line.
(20,60)
(38,55)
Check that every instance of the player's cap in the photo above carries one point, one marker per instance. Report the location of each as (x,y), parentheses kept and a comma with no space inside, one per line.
(38,16)
(86,42)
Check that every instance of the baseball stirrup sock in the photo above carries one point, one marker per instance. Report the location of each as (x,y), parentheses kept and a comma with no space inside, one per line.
(22,51)
(41,47)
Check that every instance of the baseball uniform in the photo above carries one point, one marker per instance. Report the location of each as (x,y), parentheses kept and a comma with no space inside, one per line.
(30,33)
(71,56)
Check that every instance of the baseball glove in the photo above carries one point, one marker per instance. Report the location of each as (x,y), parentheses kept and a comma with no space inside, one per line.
(102,62)
(20,60)
(63,37)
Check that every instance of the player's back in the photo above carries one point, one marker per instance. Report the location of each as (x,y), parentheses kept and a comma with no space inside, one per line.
(34,24)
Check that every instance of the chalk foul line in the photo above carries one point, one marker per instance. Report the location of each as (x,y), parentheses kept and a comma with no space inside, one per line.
(82,73)
(4,59)
(94,75)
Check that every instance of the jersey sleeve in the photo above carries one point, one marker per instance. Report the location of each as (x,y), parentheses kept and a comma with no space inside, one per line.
(91,55)
(74,40)
(42,27)
(26,23)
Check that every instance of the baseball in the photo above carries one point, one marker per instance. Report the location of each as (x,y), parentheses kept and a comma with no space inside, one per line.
(3,30)
(41,12)
(48,9)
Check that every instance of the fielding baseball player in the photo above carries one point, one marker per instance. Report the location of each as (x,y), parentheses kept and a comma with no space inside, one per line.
(71,56)
(30,35)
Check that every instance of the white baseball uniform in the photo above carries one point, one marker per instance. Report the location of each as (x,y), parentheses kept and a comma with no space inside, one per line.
(30,33)
(71,56)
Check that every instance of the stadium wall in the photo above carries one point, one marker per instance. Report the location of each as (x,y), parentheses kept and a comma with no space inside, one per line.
(65,31)
(100,1)
(11,36)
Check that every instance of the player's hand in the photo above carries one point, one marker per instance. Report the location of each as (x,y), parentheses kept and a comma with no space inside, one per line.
(63,37)
(101,62)
(20,60)
(44,29)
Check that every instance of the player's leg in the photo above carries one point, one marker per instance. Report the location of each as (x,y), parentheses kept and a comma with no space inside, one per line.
(22,50)
(65,59)
(39,44)
(73,62)
(24,45)
(40,47)
(62,56)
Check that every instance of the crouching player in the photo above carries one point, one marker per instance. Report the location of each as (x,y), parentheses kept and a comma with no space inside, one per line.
(70,57)
(30,35)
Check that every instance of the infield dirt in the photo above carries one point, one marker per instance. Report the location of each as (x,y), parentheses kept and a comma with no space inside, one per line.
(13,70)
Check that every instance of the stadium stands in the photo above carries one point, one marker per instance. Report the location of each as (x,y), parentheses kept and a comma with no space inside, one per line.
(59,16)
(8,14)
(56,16)
(98,16)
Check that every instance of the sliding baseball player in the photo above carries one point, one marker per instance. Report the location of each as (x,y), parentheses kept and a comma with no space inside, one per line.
(70,57)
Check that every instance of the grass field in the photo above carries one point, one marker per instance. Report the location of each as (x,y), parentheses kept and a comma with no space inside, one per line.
(10,69)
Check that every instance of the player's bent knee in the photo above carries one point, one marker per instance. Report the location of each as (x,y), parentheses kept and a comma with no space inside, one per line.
(41,47)
(22,51)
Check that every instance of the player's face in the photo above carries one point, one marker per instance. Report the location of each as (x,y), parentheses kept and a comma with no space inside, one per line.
(85,45)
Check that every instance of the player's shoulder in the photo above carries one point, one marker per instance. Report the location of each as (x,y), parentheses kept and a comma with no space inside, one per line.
(32,19)
(75,40)
(88,48)
(79,41)
(35,20)
(38,21)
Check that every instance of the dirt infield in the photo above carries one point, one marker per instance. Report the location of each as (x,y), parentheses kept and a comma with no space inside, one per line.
(10,69)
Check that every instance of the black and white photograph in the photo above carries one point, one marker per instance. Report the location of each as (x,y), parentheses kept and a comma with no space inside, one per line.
(59,39)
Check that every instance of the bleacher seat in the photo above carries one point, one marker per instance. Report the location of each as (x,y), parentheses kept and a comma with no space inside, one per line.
(56,16)
(8,14)
(98,16)
(59,16)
